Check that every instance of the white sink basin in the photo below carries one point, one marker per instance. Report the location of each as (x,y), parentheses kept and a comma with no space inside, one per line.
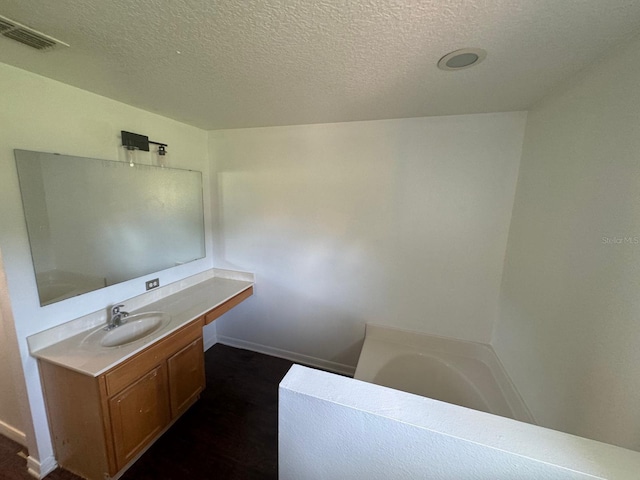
(138,326)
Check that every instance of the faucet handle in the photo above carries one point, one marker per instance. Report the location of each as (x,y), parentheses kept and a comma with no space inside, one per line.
(116,309)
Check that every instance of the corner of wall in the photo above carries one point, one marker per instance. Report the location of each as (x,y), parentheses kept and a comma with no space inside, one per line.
(210,335)
(496,320)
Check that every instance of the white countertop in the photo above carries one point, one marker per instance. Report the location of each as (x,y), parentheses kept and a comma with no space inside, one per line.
(183,306)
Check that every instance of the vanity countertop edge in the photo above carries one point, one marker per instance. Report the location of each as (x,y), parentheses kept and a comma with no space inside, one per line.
(184,307)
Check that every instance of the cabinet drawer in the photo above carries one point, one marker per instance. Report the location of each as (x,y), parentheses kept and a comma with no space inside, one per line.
(211,315)
(144,361)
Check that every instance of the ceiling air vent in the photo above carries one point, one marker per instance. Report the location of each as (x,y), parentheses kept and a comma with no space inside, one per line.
(4,25)
(27,36)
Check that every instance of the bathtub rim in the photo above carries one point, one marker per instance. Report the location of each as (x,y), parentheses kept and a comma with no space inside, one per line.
(420,342)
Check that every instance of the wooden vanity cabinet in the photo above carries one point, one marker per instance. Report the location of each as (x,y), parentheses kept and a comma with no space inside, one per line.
(101,424)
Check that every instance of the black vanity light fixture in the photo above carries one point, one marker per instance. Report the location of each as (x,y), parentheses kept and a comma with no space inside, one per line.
(134,141)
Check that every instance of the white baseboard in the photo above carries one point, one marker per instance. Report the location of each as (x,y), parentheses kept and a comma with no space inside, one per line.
(35,468)
(39,469)
(287,355)
(13,433)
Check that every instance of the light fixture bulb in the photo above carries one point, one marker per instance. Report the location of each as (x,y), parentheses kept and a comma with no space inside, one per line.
(162,156)
(131,155)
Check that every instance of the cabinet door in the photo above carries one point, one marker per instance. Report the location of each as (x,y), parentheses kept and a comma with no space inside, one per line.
(138,414)
(186,376)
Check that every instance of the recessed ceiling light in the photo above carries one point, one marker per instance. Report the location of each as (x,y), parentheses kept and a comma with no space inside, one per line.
(463,58)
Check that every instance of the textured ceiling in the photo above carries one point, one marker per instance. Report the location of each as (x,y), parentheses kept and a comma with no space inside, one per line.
(217,64)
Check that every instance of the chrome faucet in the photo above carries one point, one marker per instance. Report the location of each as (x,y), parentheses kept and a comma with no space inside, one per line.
(117,317)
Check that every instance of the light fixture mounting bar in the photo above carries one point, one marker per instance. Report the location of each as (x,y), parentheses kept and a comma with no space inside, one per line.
(135,141)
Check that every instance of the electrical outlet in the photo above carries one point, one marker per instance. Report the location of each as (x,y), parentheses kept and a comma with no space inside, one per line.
(155,283)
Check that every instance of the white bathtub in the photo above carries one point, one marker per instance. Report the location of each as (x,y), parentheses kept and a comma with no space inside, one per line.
(462,373)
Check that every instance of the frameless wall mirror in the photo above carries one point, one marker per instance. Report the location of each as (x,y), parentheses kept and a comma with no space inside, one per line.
(93,223)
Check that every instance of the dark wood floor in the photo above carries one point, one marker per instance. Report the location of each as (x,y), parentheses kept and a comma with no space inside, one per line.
(230,433)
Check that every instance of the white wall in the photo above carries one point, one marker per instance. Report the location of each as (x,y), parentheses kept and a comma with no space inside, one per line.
(14,412)
(332,427)
(10,410)
(41,114)
(398,222)
(569,326)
